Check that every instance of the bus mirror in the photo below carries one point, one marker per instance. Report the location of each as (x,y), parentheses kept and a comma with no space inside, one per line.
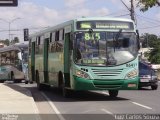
(138,42)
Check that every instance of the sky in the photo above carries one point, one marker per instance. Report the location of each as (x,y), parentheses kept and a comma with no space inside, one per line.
(40,14)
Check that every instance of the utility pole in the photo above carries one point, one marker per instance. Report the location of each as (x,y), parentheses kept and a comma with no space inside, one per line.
(132,11)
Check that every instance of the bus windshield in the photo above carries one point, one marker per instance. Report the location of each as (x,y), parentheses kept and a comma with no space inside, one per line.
(105,48)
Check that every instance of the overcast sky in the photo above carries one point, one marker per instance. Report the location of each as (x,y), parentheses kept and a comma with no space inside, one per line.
(38,14)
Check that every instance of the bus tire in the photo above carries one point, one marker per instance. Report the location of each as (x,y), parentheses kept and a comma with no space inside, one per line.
(113,93)
(65,91)
(2,81)
(154,87)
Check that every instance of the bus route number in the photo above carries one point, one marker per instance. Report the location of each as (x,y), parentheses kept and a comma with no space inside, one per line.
(93,36)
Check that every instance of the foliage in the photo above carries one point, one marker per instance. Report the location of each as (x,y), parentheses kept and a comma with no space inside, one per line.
(146,4)
(7,42)
(154,56)
(149,40)
(15,40)
(152,41)
(146,54)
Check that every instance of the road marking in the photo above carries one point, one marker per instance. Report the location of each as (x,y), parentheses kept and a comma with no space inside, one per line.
(142,105)
(53,107)
(106,111)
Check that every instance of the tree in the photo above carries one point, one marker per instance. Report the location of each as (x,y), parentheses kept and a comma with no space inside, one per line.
(146,4)
(149,40)
(152,41)
(15,40)
(154,56)
(6,42)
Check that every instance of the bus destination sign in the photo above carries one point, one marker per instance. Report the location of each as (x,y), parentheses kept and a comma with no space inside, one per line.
(112,25)
(105,25)
(7,3)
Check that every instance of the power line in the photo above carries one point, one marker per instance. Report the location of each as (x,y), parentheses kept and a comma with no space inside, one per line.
(122,15)
(150,27)
(148,18)
(115,13)
(33,28)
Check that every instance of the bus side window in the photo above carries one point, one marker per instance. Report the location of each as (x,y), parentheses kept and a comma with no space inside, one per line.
(41,44)
(61,34)
(57,36)
(52,40)
(12,57)
(37,45)
(60,43)
(3,62)
(8,61)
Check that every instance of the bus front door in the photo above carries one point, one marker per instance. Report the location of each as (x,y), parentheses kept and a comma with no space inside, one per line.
(67,62)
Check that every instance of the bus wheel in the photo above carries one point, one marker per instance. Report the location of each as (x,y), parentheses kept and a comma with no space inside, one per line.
(154,87)
(113,93)
(2,81)
(65,91)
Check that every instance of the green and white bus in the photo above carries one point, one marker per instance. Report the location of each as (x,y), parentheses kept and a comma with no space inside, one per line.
(86,54)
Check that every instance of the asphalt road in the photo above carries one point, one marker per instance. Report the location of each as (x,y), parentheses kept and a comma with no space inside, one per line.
(144,101)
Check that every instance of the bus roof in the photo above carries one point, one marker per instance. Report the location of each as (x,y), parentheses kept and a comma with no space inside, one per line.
(103,18)
(62,25)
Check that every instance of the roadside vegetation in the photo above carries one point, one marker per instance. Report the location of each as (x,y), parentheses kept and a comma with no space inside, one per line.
(152,41)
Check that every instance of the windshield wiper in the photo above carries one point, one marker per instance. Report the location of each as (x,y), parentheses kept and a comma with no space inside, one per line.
(115,39)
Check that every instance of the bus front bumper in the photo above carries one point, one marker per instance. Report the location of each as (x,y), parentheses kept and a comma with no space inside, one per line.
(120,84)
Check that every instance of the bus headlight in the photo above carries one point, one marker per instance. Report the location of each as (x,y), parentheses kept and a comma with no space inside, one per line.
(132,74)
(82,74)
